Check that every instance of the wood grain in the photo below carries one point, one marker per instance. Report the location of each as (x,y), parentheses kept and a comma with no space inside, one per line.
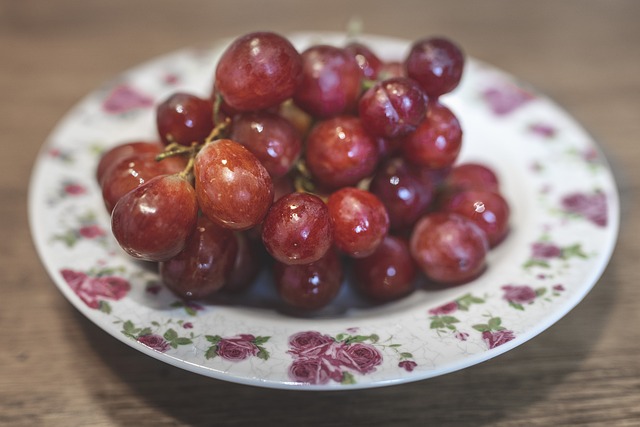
(58,369)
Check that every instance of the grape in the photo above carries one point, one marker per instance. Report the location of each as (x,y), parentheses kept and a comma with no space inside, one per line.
(360,221)
(405,193)
(436,143)
(388,273)
(184,118)
(368,62)
(436,64)
(234,189)
(247,266)
(110,157)
(309,286)
(392,69)
(271,138)
(204,265)
(340,152)
(257,71)
(330,83)
(487,209)
(130,172)
(392,108)
(449,248)
(154,221)
(472,176)
(297,229)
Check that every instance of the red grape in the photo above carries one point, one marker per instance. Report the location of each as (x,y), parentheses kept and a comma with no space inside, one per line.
(406,194)
(130,172)
(436,64)
(234,189)
(392,108)
(339,152)
(270,137)
(110,157)
(297,229)
(257,71)
(204,265)
(489,210)
(309,286)
(472,176)
(247,266)
(184,118)
(360,221)
(387,274)
(368,62)
(154,221)
(449,248)
(437,141)
(330,82)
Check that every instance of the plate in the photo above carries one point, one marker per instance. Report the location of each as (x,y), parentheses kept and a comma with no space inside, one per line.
(564,227)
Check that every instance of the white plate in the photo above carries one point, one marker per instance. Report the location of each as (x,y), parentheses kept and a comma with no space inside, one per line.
(565,223)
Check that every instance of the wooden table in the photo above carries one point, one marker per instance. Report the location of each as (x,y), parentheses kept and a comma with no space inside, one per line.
(57,368)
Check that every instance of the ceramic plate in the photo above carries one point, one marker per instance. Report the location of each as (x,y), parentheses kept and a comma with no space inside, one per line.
(565,213)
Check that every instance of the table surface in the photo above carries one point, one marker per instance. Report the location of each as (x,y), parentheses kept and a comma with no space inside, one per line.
(57,368)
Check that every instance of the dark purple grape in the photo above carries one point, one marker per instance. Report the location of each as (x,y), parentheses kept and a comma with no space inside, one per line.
(205,264)
(185,119)
(436,64)
(309,286)
(388,273)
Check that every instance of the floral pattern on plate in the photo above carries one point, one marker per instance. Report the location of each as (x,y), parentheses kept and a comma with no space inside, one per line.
(564,227)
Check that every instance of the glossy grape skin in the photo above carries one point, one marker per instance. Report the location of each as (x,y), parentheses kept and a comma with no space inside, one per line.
(248,263)
(360,221)
(234,189)
(130,172)
(487,209)
(340,152)
(205,264)
(449,248)
(436,64)
(270,137)
(405,193)
(184,118)
(472,176)
(330,83)
(297,229)
(257,71)
(367,60)
(392,108)
(110,157)
(309,287)
(437,141)
(154,221)
(387,274)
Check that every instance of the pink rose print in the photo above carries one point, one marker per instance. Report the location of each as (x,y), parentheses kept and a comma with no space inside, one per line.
(494,339)
(543,130)
(493,333)
(155,342)
(320,358)
(545,250)
(558,288)
(91,231)
(74,189)
(519,294)
(408,365)
(94,290)
(238,348)
(124,98)
(444,309)
(462,336)
(187,325)
(505,98)
(591,206)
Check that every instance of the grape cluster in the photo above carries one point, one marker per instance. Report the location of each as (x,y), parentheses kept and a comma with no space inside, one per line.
(315,161)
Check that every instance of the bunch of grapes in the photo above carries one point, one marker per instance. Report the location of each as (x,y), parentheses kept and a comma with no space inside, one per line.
(316,161)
